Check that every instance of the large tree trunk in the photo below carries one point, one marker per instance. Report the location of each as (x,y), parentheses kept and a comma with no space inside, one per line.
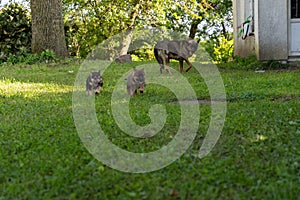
(129,33)
(194,28)
(48,27)
(126,41)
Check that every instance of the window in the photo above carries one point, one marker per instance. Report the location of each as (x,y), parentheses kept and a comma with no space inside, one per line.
(295,9)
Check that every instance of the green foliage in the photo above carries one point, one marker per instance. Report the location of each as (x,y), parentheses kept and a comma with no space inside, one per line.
(88,23)
(143,54)
(47,56)
(251,63)
(209,20)
(28,58)
(272,64)
(220,49)
(15,32)
(42,157)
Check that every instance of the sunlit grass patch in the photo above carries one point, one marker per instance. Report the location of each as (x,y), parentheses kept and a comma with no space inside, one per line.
(11,87)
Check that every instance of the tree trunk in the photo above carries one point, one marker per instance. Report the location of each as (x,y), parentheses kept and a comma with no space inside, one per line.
(194,28)
(129,33)
(48,27)
(126,41)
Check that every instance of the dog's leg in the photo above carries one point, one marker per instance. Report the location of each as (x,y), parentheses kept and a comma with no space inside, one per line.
(168,66)
(161,68)
(162,62)
(181,65)
(189,64)
(133,93)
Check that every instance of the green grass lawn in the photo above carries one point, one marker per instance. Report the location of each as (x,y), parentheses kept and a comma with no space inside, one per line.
(42,156)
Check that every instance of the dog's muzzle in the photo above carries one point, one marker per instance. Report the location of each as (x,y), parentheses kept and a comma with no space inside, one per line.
(142,88)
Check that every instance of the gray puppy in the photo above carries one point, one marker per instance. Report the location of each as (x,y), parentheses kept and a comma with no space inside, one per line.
(136,81)
(94,83)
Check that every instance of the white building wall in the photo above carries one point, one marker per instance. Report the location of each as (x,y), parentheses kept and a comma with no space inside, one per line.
(241,10)
(272,29)
(271,21)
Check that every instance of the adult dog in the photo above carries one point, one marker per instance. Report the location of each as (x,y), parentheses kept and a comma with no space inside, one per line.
(179,50)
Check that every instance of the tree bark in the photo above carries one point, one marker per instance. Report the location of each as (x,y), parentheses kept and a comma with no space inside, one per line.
(129,33)
(126,41)
(194,29)
(48,27)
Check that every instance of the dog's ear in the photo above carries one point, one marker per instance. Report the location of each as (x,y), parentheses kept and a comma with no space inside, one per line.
(134,70)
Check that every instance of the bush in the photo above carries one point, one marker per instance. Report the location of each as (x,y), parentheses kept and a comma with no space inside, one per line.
(220,49)
(15,31)
(251,63)
(143,54)
(28,58)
